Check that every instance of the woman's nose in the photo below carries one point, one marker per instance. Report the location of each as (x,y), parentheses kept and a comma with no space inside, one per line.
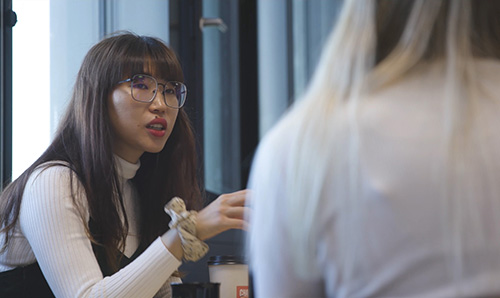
(158,103)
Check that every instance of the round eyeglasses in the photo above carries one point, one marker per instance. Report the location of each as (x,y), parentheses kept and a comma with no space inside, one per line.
(144,88)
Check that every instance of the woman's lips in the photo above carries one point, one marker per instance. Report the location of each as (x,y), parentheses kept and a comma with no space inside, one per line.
(157,127)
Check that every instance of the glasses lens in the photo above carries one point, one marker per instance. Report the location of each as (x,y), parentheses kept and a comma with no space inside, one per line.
(175,94)
(143,88)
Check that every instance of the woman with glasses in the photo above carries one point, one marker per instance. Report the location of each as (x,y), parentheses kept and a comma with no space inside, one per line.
(384,180)
(87,218)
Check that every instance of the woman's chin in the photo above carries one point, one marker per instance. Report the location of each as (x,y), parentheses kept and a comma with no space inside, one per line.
(154,150)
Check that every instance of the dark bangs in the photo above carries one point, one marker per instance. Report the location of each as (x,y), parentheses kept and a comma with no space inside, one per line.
(149,55)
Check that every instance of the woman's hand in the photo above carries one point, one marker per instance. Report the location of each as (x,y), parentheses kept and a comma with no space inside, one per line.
(224,213)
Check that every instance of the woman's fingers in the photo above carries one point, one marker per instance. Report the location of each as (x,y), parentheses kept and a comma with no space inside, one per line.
(237,198)
(236,212)
(226,212)
(238,224)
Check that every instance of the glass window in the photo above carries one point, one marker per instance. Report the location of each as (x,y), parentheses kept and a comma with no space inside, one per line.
(312,23)
(31,83)
(221,96)
(50,40)
(291,35)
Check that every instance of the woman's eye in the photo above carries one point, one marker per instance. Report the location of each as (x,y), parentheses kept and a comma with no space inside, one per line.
(169,91)
(140,86)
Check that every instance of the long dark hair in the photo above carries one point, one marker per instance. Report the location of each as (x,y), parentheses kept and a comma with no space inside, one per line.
(83,143)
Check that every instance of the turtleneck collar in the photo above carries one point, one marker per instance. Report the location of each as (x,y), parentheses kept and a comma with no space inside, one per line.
(126,169)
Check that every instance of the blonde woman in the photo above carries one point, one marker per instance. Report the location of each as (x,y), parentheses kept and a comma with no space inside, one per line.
(383,181)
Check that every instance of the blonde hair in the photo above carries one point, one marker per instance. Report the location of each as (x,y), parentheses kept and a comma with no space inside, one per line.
(367,51)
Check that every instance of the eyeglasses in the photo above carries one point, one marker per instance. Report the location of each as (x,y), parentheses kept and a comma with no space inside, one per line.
(144,88)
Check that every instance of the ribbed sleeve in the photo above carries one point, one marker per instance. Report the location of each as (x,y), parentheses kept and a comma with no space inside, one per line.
(55,230)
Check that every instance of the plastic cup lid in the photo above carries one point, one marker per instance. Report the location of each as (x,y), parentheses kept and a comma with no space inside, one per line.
(226,260)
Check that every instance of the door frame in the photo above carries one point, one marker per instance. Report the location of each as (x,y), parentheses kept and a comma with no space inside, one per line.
(8,20)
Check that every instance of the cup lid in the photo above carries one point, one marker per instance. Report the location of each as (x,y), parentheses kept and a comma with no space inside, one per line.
(226,260)
(207,285)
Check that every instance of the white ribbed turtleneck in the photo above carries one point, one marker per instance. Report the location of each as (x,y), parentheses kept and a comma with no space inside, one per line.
(50,231)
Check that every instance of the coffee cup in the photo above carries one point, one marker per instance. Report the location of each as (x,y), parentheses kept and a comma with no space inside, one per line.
(232,274)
